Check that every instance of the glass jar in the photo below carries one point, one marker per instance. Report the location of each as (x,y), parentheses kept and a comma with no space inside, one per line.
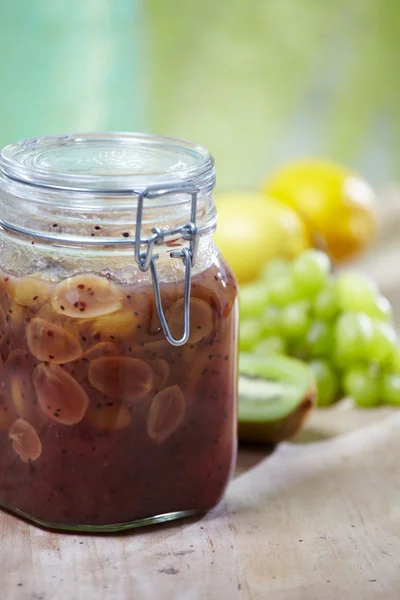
(118,331)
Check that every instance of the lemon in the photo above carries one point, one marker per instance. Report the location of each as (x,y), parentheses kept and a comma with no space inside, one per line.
(253,229)
(337,205)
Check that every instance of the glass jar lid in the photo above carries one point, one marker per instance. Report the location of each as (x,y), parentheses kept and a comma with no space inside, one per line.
(107,162)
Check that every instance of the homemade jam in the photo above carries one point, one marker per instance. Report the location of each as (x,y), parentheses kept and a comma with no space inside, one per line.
(101,419)
(107,419)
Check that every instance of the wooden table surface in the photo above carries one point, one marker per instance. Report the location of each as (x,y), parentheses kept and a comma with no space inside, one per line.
(317,519)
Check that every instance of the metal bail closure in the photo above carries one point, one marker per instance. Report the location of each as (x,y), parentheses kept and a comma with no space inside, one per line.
(146,259)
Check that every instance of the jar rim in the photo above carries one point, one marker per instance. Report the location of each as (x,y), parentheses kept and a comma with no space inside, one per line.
(106,163)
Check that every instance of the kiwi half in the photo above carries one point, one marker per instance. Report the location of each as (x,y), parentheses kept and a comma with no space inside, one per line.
(276,394)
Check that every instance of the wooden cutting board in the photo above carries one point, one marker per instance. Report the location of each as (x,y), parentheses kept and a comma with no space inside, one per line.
(317,519)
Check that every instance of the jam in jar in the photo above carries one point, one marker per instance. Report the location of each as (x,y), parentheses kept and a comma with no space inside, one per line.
(118,333)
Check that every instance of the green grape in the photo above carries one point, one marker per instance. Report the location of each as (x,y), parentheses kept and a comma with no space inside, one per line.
(339,358)
(393,364)
(311,271)
(270,345)
(356,292)
(319,339)
(389,388)
(295,319)
(326,304)
(298,348)
(282,290)
(361,384)
(353,333)
(381,309)
(274,268)
(383,343)
(252,299)
(249,334)
(271,320)
(327,382)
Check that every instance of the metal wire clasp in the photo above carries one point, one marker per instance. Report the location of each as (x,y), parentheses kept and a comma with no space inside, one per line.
(147,259)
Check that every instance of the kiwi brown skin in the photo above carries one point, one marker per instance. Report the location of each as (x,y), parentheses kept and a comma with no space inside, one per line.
(273,432)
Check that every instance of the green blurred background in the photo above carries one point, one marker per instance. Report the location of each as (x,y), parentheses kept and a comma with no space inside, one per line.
(258,82)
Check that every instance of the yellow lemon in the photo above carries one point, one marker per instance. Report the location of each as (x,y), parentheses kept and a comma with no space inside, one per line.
(337,205)
(252,230)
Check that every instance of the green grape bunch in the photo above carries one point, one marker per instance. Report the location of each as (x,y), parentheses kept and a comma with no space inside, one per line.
(339,324)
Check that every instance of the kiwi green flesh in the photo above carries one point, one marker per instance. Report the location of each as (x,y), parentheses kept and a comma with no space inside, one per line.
(276,368)
(273,432)
(267,400)
(275,396)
